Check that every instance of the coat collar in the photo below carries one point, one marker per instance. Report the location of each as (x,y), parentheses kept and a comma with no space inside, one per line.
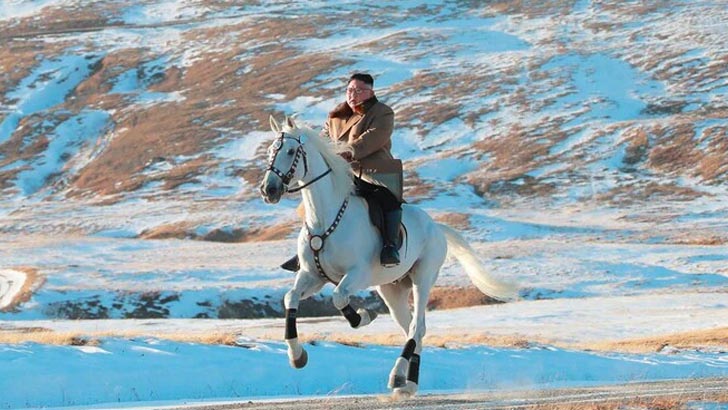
(344,111)
(368,104)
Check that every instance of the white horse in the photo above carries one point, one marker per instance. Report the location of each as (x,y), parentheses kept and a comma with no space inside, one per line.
(339,244)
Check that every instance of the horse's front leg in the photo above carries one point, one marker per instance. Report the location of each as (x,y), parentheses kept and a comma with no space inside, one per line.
(353,281)
(305,285)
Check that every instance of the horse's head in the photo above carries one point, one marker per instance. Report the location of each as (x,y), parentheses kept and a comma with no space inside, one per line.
(285,155)
(300,155)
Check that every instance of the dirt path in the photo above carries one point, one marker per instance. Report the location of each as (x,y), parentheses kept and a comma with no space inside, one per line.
(664,394)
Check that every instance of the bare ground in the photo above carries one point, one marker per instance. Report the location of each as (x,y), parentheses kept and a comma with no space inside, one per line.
(663,395)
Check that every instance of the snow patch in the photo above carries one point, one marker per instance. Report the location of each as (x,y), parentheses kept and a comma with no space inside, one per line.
(11,284)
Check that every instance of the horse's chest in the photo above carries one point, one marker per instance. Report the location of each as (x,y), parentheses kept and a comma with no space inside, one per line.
(331,258)
(334,258)
(326,265)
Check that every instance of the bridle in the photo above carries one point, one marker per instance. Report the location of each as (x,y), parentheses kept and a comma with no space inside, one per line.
(315,242)
(299,154)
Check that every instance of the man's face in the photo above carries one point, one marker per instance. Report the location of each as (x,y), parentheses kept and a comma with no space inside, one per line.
(357,92)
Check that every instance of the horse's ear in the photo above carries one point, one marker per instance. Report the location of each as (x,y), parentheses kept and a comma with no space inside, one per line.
(274,125)
(291,121)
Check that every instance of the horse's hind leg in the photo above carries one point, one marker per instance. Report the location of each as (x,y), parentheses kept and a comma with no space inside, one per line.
(423,275)
(304,287)
(396,296)
(410,357)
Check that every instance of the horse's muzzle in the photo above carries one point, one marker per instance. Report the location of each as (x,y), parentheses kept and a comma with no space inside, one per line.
(271,190)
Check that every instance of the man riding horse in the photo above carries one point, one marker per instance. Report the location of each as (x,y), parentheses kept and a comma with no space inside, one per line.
(366,124)
(338,244)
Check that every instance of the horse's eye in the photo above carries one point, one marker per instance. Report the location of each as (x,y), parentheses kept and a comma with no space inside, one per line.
(291,151)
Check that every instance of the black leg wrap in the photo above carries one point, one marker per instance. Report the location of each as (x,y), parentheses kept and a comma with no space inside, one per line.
(413,374)
(351,315)
(291,332)
(292,264)
(409,349)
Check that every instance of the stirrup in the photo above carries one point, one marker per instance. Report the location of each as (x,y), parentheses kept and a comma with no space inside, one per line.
(389,256)
(292,264)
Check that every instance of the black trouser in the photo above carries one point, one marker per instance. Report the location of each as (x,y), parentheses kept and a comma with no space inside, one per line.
(392,217)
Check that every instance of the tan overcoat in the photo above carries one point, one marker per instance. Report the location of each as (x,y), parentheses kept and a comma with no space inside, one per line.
(370,136)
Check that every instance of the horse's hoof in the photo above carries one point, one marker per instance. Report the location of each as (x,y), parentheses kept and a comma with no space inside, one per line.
(398,375)
(301,361)
(409,390)
(372,315)
(402,394)
(367,317)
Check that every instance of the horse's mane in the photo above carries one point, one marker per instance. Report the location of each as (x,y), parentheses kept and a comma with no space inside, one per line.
(329,150)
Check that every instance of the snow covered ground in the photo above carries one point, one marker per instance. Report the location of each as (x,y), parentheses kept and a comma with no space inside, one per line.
(11,284)
(121,373)
(555,331)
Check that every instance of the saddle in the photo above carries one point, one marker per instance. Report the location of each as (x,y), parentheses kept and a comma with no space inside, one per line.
(376,216)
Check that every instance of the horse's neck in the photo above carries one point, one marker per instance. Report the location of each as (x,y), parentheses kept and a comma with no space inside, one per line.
(321,199)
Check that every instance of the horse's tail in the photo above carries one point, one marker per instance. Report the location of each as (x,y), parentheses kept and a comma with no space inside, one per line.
(465,254)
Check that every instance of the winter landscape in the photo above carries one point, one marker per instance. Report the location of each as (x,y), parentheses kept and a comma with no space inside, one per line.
(579,146)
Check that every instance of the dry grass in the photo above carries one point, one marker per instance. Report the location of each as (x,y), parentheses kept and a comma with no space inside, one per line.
(712,339)
(454,219)
(397,339)
(666,402)
(415,189)
(652,191)
(699,239)
(529,8)
(699,339)
(178,230)
(675,152)
(638,144)
(715,163)
(450,297)
(187,231)
(60,20)
(44,336)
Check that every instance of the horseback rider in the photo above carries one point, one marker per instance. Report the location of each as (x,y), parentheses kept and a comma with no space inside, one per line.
(366,124)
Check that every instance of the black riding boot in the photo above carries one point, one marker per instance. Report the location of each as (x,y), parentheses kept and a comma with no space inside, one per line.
(291,264)
(390,255)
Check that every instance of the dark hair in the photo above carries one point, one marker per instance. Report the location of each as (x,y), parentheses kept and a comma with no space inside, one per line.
(363,77)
